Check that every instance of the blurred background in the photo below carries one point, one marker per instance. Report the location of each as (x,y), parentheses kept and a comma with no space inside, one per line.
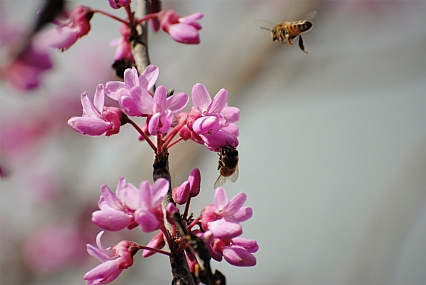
(332,144)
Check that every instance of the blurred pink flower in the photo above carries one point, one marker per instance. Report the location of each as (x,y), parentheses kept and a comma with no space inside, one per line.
(97,119)
(181,29)
(117,4)
(58,244)
(69,31)
(124,50)
(25,71)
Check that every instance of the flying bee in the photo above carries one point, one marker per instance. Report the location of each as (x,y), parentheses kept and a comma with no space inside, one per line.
(228,165)
(286,32)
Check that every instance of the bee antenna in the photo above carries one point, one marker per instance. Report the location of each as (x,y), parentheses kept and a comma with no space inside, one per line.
(263,28)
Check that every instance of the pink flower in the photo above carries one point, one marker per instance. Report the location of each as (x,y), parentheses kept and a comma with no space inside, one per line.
(124,50)
(213,121)
(133,94)
(189,188)
(116,212)
(157,242)
(117,4)
(114,261)
(149,215)
(97,119)
(223,218)
(163,110)
(237,251)
(24,72)
(131,206)
(68,32)
(181,29)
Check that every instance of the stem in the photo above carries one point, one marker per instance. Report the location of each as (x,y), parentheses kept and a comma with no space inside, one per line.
(155,249)
(175,142)
(147,17)
(110,15)
(168,138)
(139,37)
(185,213)
(143,134)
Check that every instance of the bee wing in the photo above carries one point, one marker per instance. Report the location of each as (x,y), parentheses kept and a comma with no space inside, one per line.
(220,181)
(234,175)
(309,16)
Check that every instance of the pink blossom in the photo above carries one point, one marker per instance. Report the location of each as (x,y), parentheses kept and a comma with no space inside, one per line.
(237,251)
(181,29)
(157,242)
(24,72)
(116,212)
(149,215)
(69,31)
(163,110)
(114,261)
(213,121)
(133,94)
(117,4)
(124,50)
(180,194)
(97,119)
(223,218)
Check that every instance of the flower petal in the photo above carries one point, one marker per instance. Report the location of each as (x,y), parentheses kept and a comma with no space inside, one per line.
(177,102)
(111,220)
(89,126)
(238,256)
(219,102)
(224,229)
(147,221)
(220,199)
(200,97)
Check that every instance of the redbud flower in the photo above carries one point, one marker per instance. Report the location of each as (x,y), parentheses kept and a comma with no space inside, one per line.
(24,73)
(149,215)
(181,29)
(124,50)
(68,32)
(237,251)
(97,119)
(114,261)
(116,212)
(213,120)
(117,4)
(157,242)
(163,110)
(223,218)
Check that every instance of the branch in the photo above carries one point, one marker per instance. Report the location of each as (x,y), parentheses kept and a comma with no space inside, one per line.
(139,38)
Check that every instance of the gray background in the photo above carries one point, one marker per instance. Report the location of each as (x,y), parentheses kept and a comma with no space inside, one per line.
(332,143)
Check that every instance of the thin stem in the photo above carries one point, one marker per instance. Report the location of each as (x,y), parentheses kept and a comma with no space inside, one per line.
(167,237)
(159,143)
(155,249)
(147,17)
(185,213)
(175,142)
(168,138)
(110,15)
(143,134)
(194,222)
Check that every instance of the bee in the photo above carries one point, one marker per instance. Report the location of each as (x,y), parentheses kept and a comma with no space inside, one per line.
(228,165)
(286,32)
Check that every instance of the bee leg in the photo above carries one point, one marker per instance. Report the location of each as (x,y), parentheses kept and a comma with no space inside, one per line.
(301,46)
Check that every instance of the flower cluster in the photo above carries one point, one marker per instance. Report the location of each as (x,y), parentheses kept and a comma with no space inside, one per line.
(210,121)
(218,225)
